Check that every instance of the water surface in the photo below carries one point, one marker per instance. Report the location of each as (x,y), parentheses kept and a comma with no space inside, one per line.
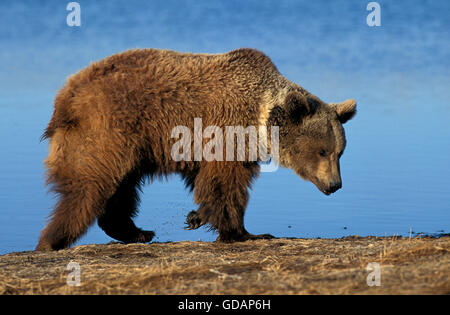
(395,168)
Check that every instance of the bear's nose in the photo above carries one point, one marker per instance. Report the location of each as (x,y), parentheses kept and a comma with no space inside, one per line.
(335,186)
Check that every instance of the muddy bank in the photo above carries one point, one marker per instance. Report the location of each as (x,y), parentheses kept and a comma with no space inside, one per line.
(279,266)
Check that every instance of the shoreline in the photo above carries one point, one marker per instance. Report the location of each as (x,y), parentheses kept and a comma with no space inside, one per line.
(278,266)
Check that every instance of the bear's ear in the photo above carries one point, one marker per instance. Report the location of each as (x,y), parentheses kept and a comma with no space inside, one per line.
(345,110)
(296,106)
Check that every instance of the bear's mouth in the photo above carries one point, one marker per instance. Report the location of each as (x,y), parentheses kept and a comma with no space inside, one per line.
(319,186)
(316,182)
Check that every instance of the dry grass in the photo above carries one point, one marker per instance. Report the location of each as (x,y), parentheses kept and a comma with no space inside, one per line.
(279,266)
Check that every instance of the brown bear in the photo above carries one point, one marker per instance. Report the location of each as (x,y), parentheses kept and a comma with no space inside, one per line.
(111,129)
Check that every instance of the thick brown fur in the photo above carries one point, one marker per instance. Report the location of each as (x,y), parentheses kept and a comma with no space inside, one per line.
(111,129)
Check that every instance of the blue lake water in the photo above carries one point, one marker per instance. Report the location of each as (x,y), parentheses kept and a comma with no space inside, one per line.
(396,166)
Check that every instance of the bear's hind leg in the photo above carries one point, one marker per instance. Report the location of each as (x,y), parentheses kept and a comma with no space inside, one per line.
(76,210)
(116,221)
(85,172)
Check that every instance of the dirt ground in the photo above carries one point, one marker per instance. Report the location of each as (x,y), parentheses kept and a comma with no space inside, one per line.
(278,266)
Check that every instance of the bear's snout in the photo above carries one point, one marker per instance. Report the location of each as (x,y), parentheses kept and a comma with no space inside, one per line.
(327,188)
(334,186)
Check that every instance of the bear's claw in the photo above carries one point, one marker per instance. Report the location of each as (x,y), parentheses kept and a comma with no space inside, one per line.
(142,237)
(260,237)
(193,221)
(243,238)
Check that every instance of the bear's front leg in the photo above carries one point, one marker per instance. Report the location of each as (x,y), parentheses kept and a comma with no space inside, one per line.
(193,222)
(221,189)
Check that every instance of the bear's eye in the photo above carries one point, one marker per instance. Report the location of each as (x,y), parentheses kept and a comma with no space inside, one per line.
(322,153)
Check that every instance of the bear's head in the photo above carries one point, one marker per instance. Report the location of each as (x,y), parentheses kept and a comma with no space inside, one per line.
(311,137)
